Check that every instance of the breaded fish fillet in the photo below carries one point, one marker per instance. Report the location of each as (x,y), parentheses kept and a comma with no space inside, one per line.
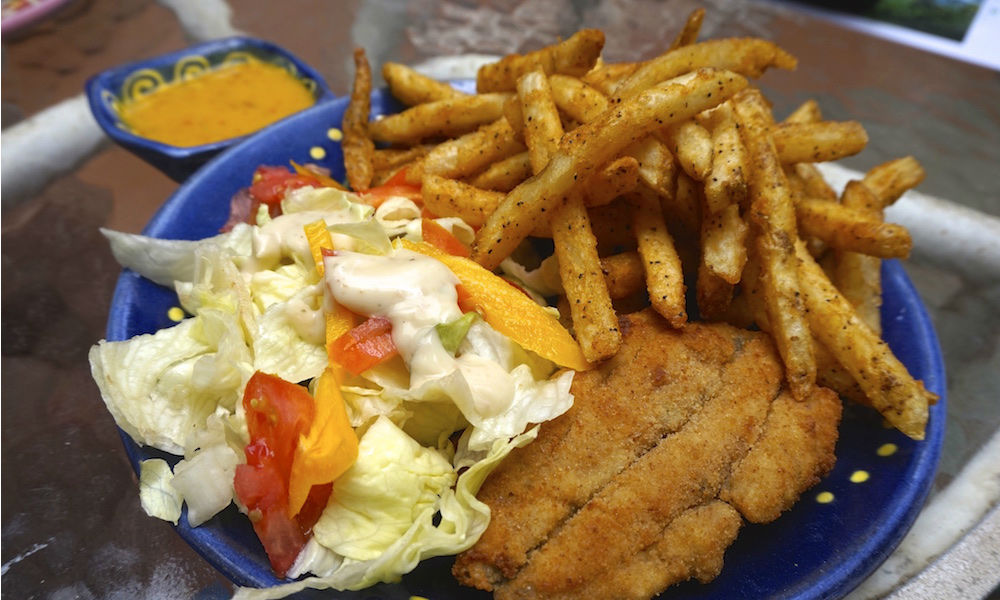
(626,486)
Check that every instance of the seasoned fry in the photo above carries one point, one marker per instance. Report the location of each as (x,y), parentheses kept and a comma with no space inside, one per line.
(451,198)
(469,154)
(818,142)
(357,146)
(807,112)
(814,185)
(505,174)
(664,277)
(606,77)
(390,159)
(852,229)
(857,276)
(684,205)
(657,166)
(902,400)
(749,57)
(574,56)
(542,127)
(412,88)
(890,180)
(723,243)
(587,147)
(577,99)
(594,322)
(714,294)
(692,145)
(773,215)
(443,118)
(623,274)
(689,33)
(726,183)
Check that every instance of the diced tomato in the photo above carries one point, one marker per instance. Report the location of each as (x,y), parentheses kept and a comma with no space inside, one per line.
(394,186)
(442,239)
(364,346)
(271,184)
(277,413)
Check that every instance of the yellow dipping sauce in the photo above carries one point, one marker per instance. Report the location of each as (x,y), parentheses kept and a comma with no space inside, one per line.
(222,103)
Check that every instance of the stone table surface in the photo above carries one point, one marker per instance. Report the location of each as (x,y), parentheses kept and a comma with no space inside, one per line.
(72,524)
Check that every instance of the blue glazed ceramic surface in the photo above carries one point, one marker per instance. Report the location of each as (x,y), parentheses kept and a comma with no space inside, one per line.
(837,534)
(105,88)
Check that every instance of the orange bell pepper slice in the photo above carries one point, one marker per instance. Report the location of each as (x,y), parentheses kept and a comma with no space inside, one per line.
(340,320)
(327,449)
(442,239)
(508,310)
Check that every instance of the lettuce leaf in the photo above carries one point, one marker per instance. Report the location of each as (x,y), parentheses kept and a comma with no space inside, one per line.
(445,519)
(156,494)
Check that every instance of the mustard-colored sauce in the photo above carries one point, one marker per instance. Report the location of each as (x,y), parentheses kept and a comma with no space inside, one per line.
(219,104)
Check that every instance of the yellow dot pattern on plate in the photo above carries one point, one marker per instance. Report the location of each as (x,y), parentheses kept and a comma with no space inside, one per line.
(317,153)
(824,497)
(886,449)
(417,598)
(335,134)
(859,476)
(176,314)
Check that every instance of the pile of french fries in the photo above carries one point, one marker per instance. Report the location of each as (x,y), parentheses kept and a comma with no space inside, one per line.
(654,176)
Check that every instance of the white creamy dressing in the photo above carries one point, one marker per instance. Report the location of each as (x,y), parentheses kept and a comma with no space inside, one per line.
(285,236)
(415,292)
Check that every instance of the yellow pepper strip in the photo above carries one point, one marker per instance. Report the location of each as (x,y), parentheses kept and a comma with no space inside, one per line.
(321,179)
(328,449)
(340,320)
(510,311)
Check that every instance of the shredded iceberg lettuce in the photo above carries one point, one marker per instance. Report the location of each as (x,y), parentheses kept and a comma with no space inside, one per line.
(258,304)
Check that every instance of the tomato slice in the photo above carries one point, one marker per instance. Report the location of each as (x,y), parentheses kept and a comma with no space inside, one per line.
(442,239)
(271,184)
(277,413)
(364,346)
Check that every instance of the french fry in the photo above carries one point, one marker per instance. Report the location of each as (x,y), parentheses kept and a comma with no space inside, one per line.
(723,243)
(726,183)
(606,77)
(505,174)
(890,180)
(684,205)
(749,57)
(584,103)
(814,185)
(692,145)
(857,276)
(902,400)
(773,215)
(451,198)
(689,33)
(664,277)
(595,324)
(852,229)
(472,152)
(573,56)
(586,148)
(443,118)
(818,142)
(412,88)
(542,126)
(623,274)
(358,148)
(577,99)
(392,159)
(807,112)
(714,294)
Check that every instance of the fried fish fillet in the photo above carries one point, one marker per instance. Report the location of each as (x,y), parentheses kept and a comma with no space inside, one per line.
(641,484)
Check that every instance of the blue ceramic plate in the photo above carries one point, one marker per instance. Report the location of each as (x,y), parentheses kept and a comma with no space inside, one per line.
(134,79)
(836,535)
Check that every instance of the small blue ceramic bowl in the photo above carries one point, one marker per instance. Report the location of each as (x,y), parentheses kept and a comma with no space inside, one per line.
(110,87)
